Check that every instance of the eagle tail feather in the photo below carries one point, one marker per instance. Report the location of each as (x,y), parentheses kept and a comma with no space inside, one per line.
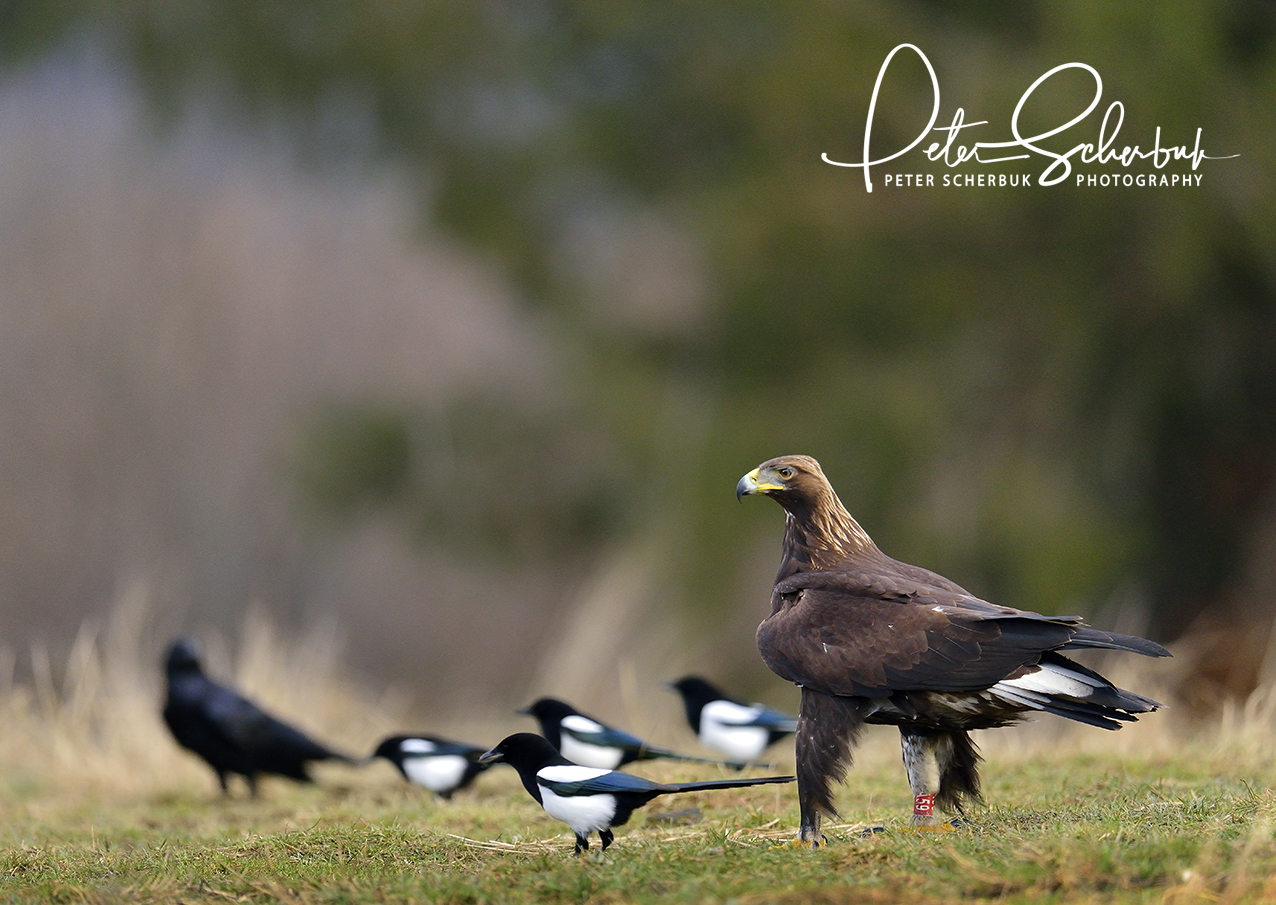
(1103,692)
(1087,637)
(1092,714)
(1070,690)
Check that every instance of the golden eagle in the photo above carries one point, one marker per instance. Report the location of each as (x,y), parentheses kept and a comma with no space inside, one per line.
(870,639)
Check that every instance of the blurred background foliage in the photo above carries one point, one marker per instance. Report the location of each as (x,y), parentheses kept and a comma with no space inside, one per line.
(1064,398)
(454,477)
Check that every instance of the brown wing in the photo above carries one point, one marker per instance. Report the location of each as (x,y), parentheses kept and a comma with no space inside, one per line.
(874,632)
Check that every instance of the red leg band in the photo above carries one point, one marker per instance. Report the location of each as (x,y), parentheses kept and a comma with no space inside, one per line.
(923,805)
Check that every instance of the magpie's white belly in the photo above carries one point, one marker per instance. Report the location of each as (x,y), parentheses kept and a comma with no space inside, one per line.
(438,773)
(583,813)
(590,755)
(737,742)
(722,727)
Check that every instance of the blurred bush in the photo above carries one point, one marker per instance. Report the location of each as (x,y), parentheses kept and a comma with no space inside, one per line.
(486,478)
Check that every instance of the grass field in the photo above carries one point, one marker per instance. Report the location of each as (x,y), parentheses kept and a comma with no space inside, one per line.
(99,806)
(1075,828)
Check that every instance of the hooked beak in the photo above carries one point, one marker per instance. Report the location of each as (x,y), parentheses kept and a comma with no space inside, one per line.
(490,757)
(750,484)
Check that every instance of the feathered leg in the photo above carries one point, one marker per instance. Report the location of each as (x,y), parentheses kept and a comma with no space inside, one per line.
(921,760)
(943,770)
(582,843)
(959,775)
(827,728)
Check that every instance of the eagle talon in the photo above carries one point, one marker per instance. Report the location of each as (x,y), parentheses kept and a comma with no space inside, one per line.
(799,842)
(871,831)
(949,826)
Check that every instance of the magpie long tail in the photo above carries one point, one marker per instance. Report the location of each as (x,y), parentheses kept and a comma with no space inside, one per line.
(728,783)
(651,753)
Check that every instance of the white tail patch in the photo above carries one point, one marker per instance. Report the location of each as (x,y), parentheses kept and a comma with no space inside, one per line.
(1029,699)
(1050,680)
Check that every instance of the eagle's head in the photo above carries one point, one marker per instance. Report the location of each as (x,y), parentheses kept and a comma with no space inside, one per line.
(819,529)
(795,482)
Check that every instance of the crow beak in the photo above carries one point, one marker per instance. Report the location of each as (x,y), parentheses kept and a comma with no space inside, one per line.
(490,757)
(525,711)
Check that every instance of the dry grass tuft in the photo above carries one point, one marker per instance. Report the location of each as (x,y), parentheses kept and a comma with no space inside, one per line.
(97,729)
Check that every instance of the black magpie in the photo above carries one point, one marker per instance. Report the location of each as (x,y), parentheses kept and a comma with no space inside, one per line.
(440,765)
(586,741)
(232,734)
(736,729)
(590,799)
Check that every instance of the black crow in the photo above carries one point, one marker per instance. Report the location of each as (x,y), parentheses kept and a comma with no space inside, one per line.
(873,640)
(441,766)
(586,741)
(590,799)
(232,734)
(738,730)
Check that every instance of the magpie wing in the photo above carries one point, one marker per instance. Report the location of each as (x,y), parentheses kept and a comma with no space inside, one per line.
(590,732)
(764,718)
(772,719)
(872,631)
(725,712)
(567,782)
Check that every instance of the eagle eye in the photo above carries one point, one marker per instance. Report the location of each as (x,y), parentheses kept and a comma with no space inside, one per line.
(785,472)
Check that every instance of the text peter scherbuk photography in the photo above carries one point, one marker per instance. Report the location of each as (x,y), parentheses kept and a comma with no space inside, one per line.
(1101,152)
